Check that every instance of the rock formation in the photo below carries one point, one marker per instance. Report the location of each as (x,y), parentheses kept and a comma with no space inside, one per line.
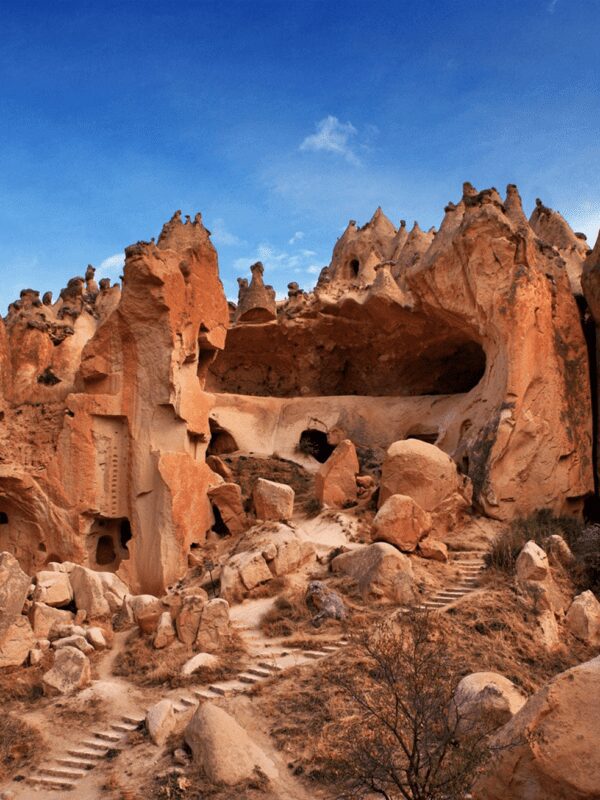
(111,398)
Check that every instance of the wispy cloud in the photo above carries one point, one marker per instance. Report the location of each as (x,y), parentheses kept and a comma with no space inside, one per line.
(112,267)
(296,237)
(551,6)
(222,236)
(281,266)
(333,136)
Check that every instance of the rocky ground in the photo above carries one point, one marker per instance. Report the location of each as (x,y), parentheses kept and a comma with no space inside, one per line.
(226,685)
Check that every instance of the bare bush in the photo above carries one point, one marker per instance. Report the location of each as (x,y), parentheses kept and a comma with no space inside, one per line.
(398,732)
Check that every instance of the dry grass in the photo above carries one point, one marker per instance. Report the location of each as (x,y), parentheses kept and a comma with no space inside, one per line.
(23,684)
(20,745)
(495,633)
(143,665)
(269,589)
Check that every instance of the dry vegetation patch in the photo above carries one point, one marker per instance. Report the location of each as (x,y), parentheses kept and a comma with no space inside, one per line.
(20,745)
(142,664)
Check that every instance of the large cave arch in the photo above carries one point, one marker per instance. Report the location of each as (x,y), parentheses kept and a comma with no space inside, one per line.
(352,353)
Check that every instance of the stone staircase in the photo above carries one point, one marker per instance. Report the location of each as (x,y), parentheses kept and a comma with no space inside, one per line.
(470,564)
(64,772)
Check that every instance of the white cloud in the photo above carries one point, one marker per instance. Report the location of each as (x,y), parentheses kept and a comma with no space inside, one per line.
(333,136)
(280,265)
(112,267)
(220,234)
(296,237)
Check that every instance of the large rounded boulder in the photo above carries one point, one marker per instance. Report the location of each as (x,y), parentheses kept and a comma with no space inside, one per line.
(549,749)
(429,476)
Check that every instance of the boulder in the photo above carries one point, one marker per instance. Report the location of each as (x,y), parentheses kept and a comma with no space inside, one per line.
(251,568)
(16,640)
(558,551)
(146,610)
(14,586)
(223,749)
(324,603)
(380,570)
(549,749)
(188,618)
(335,482)
(227,498)
(287,552)
(80,642)
(88,592)
(70,672)
(53,588)
(114,590)
(487,699)
(165,631)
(160,721)
(401,522)
(532,563)
(219,467)
(214,630)
(433,549)
(547,630)
(583,618)
(428,475)
(198,661)
(273,500)
(43,618)
(96,638)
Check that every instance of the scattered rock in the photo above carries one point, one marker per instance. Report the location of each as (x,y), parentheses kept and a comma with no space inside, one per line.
(14,586)
(558,551)
(214,630)
(70,672)
(43,618)
(227,497)
(380,570)
(223,749)
(199,660)
(324,603)
(80,642)
(165,631)
(335,482)
(401,522)
(88,591)
(146,610)
(433,549)
(532,563)
(160,721)
(188,618)
(96,638)
(583,618)
(16,640)
(53,589)
(487,699)
(273,500)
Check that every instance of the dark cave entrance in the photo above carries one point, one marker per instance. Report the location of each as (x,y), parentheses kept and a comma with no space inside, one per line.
(105,551)
(221,441)
(314,443)
(3,518)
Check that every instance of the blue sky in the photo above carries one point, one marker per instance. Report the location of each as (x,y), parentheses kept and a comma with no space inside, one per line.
(280,121)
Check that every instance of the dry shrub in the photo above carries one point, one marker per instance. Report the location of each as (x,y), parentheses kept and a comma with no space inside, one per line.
(286,616)
(142,664)
(269,589)
(23,684)
(192,784)
(538,527)
(20,744)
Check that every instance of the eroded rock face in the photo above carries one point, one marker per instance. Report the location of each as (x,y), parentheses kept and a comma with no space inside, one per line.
(549,748)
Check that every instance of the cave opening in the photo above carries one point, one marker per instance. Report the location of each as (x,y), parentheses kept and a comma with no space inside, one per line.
(221,441)
(125,532)
(105,550)
(355,267)
(314,443)
(430,437)
(3,518)
(219,527)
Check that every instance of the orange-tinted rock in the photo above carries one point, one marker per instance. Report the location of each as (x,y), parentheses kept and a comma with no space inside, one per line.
(401,522)
(549,748)
(335,482)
